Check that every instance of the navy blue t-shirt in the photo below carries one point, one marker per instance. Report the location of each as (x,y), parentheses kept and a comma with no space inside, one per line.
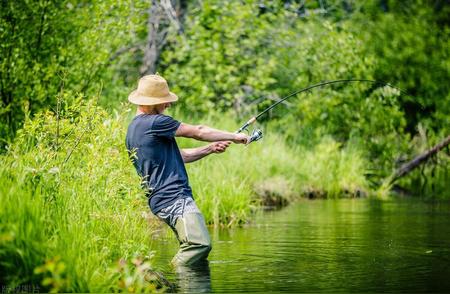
(157,159)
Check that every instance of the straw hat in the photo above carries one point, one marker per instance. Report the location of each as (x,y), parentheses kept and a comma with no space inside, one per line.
(152,90)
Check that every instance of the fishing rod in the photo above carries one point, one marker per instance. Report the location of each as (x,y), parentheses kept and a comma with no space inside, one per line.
(257,133)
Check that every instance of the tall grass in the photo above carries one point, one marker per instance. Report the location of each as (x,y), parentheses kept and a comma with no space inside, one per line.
(71,206)
(333,170)
(73,217)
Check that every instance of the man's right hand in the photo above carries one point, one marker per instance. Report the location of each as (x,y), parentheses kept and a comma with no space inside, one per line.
(241,139)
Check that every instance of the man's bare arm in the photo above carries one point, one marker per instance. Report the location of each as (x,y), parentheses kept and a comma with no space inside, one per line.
(205,133)
(193,154)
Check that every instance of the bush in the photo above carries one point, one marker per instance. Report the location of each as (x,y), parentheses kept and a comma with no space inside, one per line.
(71,198)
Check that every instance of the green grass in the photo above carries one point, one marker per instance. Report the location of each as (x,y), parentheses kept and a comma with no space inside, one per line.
(70,212)
(73,217)
(333,170)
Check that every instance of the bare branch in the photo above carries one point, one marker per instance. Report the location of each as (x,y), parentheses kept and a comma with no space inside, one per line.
(417,161)
(131,49)
(171,14)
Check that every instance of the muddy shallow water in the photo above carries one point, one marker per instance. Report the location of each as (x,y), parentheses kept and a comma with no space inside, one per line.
(357,245)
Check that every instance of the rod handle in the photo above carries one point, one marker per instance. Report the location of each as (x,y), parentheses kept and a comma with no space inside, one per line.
(249,122)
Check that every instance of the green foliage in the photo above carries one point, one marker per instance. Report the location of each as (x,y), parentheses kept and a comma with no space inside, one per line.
(411,46)
(55,279)
(357,109)
(239,56)
(138,276)
(47,46)
(254,57)
(242,56)
(71,203)
(223,57)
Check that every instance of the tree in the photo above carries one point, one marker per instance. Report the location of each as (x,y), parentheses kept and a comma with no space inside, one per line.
(49,45)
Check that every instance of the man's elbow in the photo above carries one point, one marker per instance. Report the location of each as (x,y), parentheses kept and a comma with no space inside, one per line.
(185,156)
(200,132)
(197,132)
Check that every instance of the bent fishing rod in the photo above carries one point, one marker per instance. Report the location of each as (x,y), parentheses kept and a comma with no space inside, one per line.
(257,133)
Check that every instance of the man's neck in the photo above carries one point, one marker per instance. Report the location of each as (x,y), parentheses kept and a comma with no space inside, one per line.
(141,110)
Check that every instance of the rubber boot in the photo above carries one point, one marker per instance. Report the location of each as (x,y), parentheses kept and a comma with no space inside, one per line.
(195,243)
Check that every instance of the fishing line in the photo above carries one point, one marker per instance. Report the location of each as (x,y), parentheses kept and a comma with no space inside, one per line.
(257,134)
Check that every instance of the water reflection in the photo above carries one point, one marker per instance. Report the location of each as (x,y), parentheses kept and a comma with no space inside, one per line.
(193,278)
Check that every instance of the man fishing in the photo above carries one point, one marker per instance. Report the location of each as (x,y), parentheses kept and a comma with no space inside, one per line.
(158,160)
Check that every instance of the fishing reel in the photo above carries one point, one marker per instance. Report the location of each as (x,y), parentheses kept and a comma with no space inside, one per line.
(255,136)
(256,133)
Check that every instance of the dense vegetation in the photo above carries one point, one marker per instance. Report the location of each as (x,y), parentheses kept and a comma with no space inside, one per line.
(71,203)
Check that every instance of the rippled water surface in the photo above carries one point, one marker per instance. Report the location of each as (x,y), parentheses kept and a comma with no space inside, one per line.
(356,245)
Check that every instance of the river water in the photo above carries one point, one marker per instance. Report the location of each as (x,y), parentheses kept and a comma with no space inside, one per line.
(347,245)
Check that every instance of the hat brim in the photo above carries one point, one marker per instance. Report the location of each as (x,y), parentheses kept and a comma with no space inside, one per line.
(139,99)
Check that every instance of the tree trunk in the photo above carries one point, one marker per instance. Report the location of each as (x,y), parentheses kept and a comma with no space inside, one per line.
(151,53)
(162,16)
(418,160)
